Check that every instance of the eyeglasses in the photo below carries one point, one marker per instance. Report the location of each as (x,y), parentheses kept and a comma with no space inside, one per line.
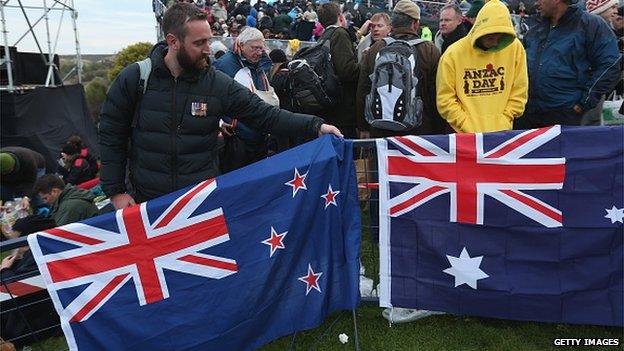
(256,48)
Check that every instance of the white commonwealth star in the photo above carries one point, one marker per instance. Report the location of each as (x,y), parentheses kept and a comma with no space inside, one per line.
(465,269)
(615,214)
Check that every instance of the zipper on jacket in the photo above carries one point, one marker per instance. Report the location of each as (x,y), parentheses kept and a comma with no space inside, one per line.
(174,134)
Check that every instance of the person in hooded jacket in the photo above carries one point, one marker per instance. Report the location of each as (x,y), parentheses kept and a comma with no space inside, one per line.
(173,126)
(482,80)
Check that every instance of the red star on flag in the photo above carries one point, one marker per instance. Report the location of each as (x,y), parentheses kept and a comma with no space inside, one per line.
(330,197)
(311,280)
(275,241)
(298,182)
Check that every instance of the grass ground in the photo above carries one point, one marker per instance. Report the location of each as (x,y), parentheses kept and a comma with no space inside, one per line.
(442,332)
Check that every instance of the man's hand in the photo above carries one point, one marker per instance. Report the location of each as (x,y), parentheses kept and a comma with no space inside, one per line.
(364,29)
(7,262)
(120,201)
(329,129)
(227,129)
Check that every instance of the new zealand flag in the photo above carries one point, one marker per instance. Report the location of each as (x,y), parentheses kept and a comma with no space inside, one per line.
(228,264)
(523,225)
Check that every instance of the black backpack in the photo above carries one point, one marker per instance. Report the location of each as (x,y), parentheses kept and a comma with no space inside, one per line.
(393,102)
(312,83)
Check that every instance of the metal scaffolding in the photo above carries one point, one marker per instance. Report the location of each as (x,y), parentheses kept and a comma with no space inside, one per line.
(43,7)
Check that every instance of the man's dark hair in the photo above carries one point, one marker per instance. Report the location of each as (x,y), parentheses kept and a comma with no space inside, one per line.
(328,14)
(46,183)
(400,20)
(177,16)
(455,8)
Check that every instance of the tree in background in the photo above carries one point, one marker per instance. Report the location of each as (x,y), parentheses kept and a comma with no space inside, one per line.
(133,53)
(96,94)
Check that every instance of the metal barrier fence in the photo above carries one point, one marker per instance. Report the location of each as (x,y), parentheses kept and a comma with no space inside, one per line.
(270,44)
(23,296)
(365,152)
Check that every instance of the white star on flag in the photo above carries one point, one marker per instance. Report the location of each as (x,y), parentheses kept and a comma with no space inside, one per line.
(330,197)
(298,182)
(465,269)
(615,214)
(276,241)
(311,280)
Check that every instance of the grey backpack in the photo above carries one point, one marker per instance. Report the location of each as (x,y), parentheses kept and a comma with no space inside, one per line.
(394,103)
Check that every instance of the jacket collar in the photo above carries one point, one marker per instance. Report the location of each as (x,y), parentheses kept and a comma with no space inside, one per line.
(401,33)
(62,195)
(246,63)
(460,31)
(573,11)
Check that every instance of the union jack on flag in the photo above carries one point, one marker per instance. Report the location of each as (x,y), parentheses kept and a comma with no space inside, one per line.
(106,260)
(522,225)
(231,263)
(469,172)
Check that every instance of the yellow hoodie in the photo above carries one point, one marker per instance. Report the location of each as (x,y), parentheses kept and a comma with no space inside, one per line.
(479,90)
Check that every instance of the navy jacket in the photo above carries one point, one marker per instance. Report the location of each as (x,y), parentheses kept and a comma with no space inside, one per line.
(232,64)
(575,62)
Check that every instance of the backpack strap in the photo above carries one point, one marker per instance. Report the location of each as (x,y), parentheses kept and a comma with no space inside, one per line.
(145,68)
(415,42)
(389,40)
(326,40)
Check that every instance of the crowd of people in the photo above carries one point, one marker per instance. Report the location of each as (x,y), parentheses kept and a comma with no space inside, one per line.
(473,75)
(34,198)
(479,72)
(298,19)
(200,115)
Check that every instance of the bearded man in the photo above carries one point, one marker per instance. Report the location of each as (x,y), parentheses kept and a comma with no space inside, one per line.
(173,123)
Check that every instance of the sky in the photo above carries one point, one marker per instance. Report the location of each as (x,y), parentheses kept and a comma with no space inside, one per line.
(104,26)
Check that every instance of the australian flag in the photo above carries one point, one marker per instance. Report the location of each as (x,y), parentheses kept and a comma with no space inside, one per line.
(228,264)
(523,225)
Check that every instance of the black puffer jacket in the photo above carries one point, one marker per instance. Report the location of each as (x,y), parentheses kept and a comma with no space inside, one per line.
(170,147)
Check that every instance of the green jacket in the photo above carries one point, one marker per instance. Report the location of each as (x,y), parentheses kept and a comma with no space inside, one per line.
(344,59)
(73,205)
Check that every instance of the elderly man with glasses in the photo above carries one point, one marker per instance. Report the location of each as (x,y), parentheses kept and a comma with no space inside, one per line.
(247,63)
